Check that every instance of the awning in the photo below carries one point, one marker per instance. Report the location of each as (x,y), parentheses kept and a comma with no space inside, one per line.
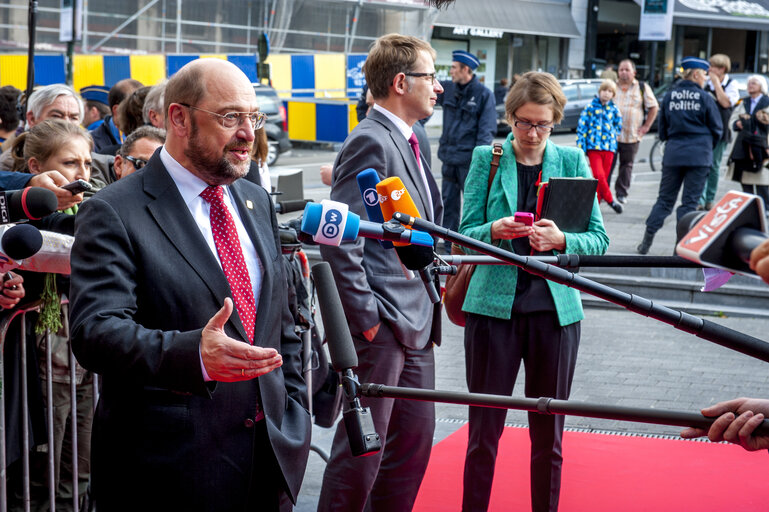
(743,14)
(543,18)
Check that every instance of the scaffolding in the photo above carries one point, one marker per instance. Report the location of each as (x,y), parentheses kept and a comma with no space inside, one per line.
(218,26)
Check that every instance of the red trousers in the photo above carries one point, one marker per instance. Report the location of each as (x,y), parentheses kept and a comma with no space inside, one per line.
(600,163)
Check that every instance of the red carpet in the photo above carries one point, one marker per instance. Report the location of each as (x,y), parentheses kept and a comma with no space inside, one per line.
(604,472)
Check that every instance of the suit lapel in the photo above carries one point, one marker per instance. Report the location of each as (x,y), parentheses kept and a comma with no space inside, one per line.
(173,218)
(409,160)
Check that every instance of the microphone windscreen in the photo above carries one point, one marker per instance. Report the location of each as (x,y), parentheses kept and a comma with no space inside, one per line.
(32,203)
(415,257)
(340,346)
(21,241)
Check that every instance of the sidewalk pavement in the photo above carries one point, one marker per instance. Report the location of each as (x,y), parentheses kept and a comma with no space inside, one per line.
(625,359)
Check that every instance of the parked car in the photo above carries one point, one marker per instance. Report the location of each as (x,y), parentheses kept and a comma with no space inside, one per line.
(579,92)
(277,136)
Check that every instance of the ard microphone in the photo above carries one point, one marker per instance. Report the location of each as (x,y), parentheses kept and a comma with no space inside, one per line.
(361,434)
(395,198)
(330,223)
(725,236)
(367,182)
(31,203)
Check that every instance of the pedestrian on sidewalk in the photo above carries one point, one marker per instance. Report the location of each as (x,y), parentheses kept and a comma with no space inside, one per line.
(724,90)
(750,148)
(469,120)
(691,125)
(597,130)
(638,106)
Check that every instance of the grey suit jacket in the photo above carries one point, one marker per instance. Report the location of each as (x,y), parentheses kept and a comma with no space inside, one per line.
(370,279)
(144,284)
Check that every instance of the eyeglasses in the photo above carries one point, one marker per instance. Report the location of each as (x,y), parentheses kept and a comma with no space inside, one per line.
(431,76)
(541,128)
(138,163)
(233,119)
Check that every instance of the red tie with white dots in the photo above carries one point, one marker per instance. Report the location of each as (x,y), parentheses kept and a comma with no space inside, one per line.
(231,257)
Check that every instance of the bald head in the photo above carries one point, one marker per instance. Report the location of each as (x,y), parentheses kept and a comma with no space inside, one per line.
(209,130)
(199,78)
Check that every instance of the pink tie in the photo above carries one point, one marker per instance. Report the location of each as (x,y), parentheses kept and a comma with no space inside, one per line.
(415,146)
(231,256)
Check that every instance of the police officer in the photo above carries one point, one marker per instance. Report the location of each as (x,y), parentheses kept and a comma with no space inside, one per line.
(691,124)
(469,120)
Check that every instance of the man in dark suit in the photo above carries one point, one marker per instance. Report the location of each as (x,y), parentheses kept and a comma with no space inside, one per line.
(202,405)
(393,323)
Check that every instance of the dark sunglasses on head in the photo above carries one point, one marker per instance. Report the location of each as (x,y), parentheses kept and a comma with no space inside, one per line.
(138,163)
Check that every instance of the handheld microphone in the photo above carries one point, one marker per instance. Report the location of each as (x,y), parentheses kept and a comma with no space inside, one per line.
(24,247)
(367,183)
(293,205)
(358,422)
(724,236)
(31,203)
(16,243)
(395,198)
(330,223)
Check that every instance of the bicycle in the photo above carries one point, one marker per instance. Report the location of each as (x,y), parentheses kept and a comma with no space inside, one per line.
(655,155)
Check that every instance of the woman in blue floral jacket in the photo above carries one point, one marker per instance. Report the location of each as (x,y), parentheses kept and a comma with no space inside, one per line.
(599,126)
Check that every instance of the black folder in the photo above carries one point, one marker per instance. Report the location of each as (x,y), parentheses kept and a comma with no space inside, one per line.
(569,202)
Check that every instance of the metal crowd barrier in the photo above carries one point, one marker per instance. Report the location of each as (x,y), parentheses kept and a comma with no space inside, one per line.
(6,320)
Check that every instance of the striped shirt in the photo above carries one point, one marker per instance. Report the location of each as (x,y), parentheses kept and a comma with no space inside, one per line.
(631,107)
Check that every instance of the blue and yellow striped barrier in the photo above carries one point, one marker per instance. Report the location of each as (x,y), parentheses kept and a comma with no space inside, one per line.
(315,120)
(316,89)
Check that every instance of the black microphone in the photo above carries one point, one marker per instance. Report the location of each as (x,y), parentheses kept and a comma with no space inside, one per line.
(361,434)
(21,241)
(420,259)
(293,205)
(31,203)
(724,236)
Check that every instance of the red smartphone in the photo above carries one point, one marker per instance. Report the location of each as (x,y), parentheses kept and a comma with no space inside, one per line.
(524,217)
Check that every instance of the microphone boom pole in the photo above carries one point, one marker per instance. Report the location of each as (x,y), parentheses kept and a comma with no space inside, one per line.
(700,327)
(582,260)
(551,406)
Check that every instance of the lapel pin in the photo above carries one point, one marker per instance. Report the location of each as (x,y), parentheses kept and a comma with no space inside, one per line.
(249,204)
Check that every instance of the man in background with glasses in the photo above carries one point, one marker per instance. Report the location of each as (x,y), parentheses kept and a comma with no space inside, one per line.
(469,120)
(179,301)
(394,325)
(137,149)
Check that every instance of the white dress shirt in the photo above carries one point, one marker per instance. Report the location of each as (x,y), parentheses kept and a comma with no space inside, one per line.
(190,187)
(407,131)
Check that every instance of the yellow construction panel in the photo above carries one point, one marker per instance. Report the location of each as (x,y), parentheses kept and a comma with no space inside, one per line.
(13,71)
(352,115)
(87,70)
(330,75)
(148,69)
(213,56)
(301,121)
(280,73)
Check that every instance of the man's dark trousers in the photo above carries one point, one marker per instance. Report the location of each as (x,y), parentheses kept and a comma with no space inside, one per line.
(626,155)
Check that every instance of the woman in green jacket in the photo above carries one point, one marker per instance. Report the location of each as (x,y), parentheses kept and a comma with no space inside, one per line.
(512,315)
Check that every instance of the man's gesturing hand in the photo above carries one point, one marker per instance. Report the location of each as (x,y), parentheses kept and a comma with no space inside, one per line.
(230,360)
